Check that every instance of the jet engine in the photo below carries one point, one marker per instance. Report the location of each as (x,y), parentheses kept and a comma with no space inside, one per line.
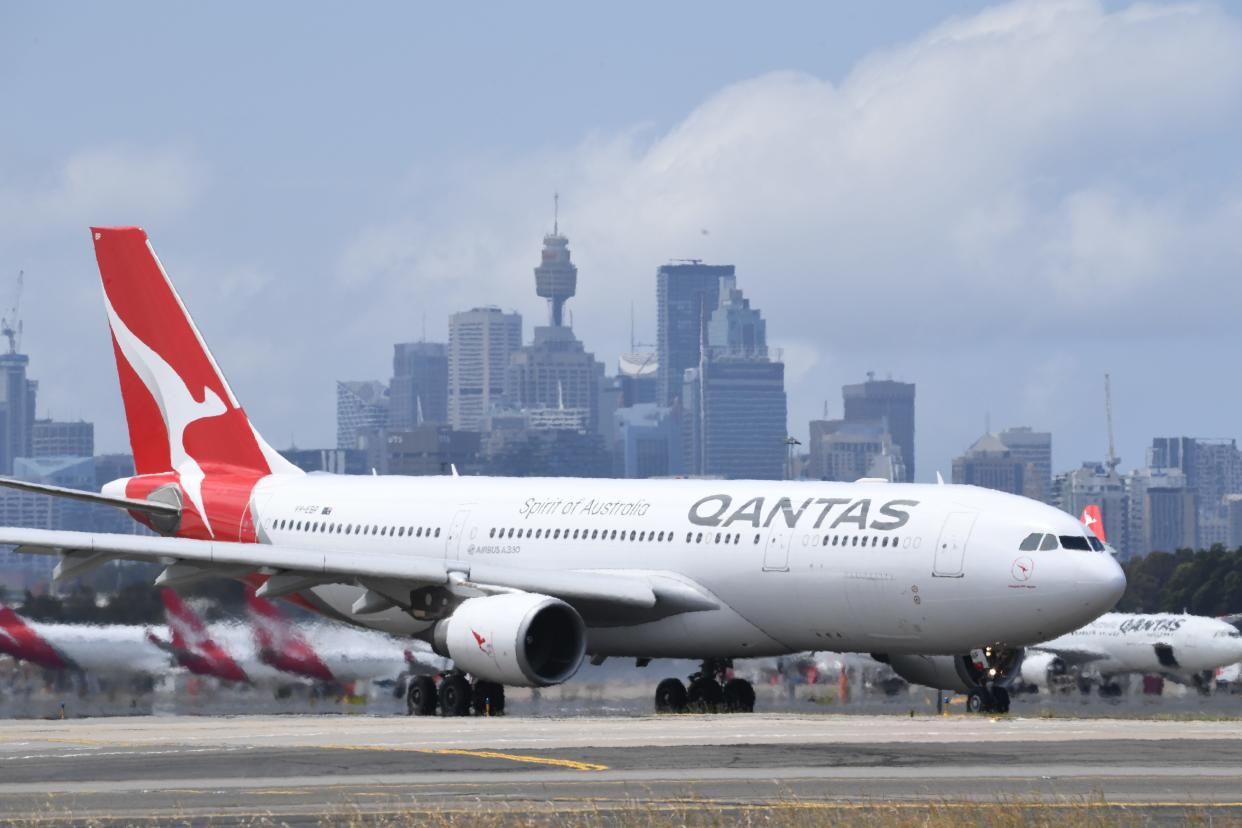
(962,674)
(519,638)
(1040,669)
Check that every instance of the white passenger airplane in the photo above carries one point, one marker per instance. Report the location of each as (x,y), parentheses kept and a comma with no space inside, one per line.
(516,580)
(1187,649)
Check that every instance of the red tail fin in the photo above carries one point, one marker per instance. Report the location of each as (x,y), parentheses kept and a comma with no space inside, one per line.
(19,640)
(192,644)
(1094,520)
(280,644)
(180,410)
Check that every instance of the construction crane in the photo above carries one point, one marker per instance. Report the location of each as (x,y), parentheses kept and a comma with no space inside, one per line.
(1113,460)
(11,325)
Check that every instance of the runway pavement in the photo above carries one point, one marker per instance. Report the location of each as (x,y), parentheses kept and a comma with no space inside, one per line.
(300,767)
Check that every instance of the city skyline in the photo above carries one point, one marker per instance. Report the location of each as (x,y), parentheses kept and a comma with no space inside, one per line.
(948,211)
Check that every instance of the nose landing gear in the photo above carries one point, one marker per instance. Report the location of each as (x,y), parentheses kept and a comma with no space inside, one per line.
(711,690)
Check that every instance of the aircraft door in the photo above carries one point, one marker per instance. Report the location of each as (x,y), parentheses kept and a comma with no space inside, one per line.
(776,553)
(452,542)
(951,547)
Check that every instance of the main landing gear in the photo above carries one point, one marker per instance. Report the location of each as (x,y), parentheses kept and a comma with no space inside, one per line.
(455,696)
(988,700)
(710,691)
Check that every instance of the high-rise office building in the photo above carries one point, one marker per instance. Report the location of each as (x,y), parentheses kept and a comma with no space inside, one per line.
(17,408)
(638,376)
(649,438)
(418,392)
(360,405)
(849,451)
(556,372)
(686,295)
(1035,448)
(737,413)
(989,463)
(54,438)
(889,402)
(482,342)
(1162,509)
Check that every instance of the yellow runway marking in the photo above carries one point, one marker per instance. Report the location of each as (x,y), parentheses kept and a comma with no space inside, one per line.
(480,754)
(517,757)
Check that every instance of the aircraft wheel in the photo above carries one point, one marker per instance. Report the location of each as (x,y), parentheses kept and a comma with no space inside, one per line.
(670,696)
(975,702)
(420,697)
(739,696)
(489,698)
(705,693)
(455,696)
(1000,700)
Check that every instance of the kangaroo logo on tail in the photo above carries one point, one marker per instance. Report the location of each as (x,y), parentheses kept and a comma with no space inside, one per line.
(183,418)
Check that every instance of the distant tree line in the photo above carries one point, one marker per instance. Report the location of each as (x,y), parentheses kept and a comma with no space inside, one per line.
(1199,582)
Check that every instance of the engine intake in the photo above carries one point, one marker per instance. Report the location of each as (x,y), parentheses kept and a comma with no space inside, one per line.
(962,673)
(520,639)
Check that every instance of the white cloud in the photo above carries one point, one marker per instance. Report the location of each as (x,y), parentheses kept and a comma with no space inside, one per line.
(1043,169)
(104,186)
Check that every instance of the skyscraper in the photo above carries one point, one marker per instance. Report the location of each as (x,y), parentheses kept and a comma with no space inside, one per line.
(17,408)
(482,342)
(990,464)
(686,295)
(53,438)
(888,401)
(418,392)
(360,406)
(1035,448)
(736,396)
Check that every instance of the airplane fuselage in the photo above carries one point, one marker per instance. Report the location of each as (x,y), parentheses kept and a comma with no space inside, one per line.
(793,565)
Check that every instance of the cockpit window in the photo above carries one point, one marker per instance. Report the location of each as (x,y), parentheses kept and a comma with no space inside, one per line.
(1096,544)
(1031,542)
(1050,543)
(1075,542)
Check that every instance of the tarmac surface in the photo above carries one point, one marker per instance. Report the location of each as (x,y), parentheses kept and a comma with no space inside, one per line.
(304,769)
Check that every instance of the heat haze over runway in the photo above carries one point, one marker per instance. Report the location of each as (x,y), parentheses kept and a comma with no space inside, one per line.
(300,766)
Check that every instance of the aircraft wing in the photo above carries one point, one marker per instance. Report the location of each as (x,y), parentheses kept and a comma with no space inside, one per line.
(187,559)
(1073,656)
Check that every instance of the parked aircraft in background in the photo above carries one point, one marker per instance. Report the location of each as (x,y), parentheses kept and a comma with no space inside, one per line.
(1187,649)
(516,580)
(106,650)
(335,654)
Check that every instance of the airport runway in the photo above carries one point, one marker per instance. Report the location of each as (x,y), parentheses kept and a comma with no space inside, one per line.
(301,768)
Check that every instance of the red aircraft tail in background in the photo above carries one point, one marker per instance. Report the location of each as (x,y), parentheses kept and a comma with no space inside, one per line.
(192,644)
(1094,521)
(280,644)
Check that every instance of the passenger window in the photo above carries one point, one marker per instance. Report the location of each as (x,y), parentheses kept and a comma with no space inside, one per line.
(1076,542)
(437,531)
(1030,543)
(492,533)
(1050,543)
(756,538)
(698,538)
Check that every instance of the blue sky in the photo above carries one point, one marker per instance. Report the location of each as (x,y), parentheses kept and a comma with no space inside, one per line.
(999,202)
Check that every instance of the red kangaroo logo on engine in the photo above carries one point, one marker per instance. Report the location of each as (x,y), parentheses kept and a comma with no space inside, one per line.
(484,646)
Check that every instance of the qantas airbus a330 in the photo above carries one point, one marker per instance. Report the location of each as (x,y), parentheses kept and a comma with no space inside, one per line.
(517,580)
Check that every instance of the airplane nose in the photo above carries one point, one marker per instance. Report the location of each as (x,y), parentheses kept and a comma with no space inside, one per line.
(1104,580)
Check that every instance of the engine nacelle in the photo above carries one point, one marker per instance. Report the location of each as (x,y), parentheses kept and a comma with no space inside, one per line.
(520,639)
(1039,668)
(960,674)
